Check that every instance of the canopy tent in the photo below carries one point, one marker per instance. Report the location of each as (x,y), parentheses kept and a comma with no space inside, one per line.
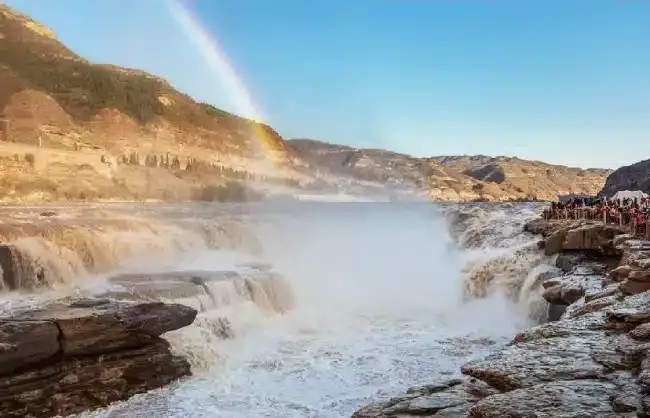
(629,194)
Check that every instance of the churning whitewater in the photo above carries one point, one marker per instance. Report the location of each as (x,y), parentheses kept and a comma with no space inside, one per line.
(317,308)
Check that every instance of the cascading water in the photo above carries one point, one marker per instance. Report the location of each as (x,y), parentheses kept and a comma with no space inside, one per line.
(497,256)
(89,241)
(383,297)
(306,310)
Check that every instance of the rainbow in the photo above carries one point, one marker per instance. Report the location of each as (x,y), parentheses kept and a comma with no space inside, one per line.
(217,60)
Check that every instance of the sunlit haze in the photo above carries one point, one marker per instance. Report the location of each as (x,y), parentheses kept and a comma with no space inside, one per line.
(563,82)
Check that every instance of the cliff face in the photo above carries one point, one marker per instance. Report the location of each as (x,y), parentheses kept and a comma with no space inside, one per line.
(631,177)
(453,177)
(74,130)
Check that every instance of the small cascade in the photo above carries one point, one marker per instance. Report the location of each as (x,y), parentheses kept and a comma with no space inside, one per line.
(498,256)
(229,302)
(46,253)
(209,290)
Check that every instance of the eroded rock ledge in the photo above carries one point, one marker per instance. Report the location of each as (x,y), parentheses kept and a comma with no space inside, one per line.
(72,355)
(591,361)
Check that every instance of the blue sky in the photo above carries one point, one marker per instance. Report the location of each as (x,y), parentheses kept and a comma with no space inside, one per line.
(560,81)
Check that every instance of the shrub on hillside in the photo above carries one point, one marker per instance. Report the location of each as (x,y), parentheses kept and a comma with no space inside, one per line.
(30,159)
(83,89)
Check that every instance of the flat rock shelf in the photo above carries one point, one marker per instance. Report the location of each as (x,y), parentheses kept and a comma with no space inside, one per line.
(67,356)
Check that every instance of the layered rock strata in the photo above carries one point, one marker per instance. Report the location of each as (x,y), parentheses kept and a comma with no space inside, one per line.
(72,355)
(591,361)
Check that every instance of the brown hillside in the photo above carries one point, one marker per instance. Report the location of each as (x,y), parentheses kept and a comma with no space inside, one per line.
(71,129)
(32,58)
(76,117)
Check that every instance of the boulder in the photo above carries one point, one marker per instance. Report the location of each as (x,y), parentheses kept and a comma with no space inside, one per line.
(620,273)
(568,261)
(582,236)
(451,398)
(583,307)
(591,237)
(622,239)
(629,313)
(26,342)
(637,281)
(546,228)
(581,398)
(595,293)
(81,383)
(553,243)
(542,227)
(641,332)
(565,290)
(531,363)
(99,326)
(71,355)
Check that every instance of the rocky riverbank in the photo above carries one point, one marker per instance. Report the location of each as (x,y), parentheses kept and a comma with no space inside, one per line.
(71,355)
(65,356)
(589,360)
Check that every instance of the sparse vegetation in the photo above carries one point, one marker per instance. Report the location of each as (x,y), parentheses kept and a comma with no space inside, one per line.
(83,89)
(30,159)
(229,192)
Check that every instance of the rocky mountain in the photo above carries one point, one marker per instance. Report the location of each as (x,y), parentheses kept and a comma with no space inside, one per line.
(71,129)
(452,177)
(630,177)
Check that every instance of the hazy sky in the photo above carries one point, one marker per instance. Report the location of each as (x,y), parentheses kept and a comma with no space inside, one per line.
(555,80)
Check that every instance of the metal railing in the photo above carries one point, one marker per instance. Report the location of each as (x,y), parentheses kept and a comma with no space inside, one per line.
(637,221)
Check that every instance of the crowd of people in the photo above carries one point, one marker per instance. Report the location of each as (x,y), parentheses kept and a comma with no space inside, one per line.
(628,211)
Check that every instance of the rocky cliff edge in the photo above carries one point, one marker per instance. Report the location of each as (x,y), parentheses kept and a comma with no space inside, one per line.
(589,360)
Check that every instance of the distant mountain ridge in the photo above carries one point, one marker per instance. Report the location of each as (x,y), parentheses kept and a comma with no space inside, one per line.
(74,130)
(453,177)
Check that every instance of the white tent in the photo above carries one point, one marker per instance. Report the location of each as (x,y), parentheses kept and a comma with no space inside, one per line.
(629,194)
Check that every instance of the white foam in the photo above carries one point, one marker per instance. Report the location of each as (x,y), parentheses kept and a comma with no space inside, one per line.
(379,309)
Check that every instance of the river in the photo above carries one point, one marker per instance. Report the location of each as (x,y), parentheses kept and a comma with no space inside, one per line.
(385,296)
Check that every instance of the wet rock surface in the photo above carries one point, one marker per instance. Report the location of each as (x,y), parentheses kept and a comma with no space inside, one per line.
(255,283)
(450,398)
(18,272)
(71,355)
(592,361)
